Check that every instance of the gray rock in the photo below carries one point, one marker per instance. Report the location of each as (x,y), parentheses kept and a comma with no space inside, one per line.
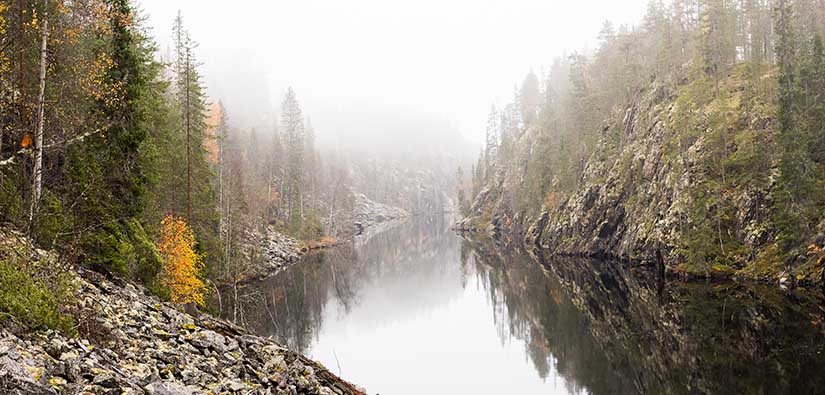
(168,388)
(209,339)
(151,348)
(105,380)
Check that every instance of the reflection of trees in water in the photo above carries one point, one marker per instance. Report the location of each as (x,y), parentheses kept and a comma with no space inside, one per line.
(289,306)
(530,306)
(603,327)
(610,329)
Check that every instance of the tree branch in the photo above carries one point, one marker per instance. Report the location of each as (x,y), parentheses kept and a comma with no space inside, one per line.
(56,144)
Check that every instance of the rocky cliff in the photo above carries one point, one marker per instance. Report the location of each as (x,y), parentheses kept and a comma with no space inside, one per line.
(370,218)
(685,180)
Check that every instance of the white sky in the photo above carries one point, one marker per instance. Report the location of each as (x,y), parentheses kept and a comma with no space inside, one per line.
(448,59)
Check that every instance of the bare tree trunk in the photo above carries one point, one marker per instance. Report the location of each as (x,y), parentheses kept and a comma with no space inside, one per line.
(220,177)
(331,220)
(235,302)
(228,249)
(37,182)
(188,145)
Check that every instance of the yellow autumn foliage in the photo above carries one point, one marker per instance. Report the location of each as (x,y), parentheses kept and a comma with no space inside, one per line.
(181,264)
(3,8)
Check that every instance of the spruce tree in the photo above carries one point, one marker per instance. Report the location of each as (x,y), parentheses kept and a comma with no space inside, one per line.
(292,123)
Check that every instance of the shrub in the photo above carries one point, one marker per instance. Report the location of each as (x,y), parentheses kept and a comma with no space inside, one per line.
(36,294)
(182,266)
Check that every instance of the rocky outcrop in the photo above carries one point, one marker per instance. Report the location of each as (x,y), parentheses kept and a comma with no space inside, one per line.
(265,254)
(131,343)
(370,218)
(279,251)
(630,206)
(653,189)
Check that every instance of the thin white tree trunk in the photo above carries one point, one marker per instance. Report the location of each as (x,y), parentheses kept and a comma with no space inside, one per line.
(188,141)
(37,172)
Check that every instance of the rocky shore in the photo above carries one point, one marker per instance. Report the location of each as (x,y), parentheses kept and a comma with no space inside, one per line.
(270,252)
(370,217)
(265,254)
(279,252)
(131,343)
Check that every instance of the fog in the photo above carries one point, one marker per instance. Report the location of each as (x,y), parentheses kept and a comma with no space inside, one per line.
(380,74)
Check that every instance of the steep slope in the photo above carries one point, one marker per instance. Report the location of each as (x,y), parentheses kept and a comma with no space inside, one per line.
(129,342)
(683,175)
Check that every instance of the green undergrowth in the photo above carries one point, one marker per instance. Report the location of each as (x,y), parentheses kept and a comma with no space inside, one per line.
(726,136)
(35,293)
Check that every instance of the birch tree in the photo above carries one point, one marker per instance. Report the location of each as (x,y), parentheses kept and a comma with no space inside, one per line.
(37,171)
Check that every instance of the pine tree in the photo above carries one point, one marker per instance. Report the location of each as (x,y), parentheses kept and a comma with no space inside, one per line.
(277,179)
(201,203)
(714,38)
(292,123)
(492,139)
(311,164)
(796,195)
(529,99)
(812,81)
(463,204)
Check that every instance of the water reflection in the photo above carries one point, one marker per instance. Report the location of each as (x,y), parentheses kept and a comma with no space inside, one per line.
(416,309)
(696,338)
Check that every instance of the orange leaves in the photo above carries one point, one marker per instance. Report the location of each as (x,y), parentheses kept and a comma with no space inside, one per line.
(210,142)
(181,264)
(27,141)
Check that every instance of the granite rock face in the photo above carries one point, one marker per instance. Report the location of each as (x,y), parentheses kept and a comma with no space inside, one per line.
(635,197)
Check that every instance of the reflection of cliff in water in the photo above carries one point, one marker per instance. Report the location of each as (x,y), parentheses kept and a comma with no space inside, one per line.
(604,327)
(533,307)
(615,330)
(290,305)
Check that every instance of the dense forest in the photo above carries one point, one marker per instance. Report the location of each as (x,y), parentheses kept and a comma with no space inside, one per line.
(184,211)
(696,137)
(115,157)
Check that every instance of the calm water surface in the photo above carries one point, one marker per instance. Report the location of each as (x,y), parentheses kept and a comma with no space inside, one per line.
(416,309)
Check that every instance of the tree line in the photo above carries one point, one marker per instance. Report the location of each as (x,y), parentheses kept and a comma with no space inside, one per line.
(698,52)
(114,157)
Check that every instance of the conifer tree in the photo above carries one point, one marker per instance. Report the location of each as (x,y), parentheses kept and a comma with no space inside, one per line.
(491,144)
(292,124)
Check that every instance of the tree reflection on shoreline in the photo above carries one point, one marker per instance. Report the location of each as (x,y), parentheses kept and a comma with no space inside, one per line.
(603,327)
(289,306)
(613,329)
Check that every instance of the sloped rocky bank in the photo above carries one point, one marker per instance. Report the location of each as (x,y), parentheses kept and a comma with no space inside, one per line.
(131,343)
(648,191)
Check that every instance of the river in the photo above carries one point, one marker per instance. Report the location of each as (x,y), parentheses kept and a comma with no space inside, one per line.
(417,309)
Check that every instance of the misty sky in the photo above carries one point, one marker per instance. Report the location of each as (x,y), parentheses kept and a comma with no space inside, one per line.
(352,62)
